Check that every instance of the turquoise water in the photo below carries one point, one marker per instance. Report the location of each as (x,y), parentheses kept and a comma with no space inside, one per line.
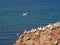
(12,22)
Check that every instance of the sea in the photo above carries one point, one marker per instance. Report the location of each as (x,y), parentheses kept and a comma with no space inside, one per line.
(13,23)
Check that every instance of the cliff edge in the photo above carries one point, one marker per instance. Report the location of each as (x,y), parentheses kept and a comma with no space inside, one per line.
(48,35)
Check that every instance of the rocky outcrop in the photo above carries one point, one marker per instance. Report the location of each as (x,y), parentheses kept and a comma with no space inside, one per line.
(48,35)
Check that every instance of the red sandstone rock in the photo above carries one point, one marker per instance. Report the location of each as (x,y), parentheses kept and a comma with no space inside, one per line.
(47,37)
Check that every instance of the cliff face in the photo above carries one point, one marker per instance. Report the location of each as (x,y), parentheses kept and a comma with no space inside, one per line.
(48,35)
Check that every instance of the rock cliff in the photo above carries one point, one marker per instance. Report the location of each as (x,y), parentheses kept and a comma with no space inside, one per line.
(48,35)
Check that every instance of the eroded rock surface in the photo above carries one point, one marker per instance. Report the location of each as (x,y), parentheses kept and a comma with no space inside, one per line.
(50,35)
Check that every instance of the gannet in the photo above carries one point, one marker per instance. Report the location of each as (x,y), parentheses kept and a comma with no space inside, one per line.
(37,33)
(28,31)
(39,28)
(17,41)
(21,36)
(57,24)
(25,31)
(52,26)
(33,30)
(43,28)
(27,38)
(48,26)
(25,14)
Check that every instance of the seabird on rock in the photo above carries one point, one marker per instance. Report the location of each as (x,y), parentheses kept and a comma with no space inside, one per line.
(37,33)
(52,26)
(17,41)
(39,28)
(27,38)
(57,24)
(21,36)
(25,31)
(43,28)
(33,30)
(28,31)
(48,26)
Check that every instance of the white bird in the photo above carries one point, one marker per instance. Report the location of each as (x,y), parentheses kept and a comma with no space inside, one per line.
(52,26)
(33,30)
(25,31)
(27,38)
(44,28)
(17,41)
(56,25)
(21,36)
(39,28)
(25,14)
(28,31)
(37,33)
(48,26)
